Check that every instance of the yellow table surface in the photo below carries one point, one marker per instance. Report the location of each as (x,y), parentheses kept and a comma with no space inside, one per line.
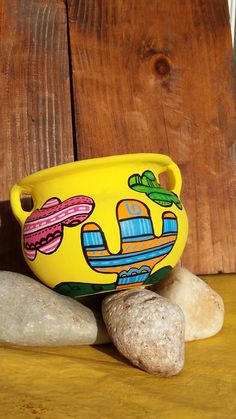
(97,382)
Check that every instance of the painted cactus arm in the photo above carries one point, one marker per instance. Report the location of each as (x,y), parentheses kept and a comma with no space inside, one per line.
(94,245)
(140,249)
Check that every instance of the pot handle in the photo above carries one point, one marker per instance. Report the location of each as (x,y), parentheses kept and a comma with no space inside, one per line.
(15,199)
(175,178)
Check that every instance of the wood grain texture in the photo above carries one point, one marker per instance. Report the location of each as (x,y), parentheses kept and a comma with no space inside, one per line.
(35,108)
(157,77)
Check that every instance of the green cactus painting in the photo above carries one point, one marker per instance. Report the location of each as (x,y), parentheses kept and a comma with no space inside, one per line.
(148,184)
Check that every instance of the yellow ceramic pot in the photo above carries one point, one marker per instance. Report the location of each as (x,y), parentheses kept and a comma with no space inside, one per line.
(102,224)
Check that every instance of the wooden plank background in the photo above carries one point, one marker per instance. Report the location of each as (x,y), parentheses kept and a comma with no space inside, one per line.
(88,78)
(35,103)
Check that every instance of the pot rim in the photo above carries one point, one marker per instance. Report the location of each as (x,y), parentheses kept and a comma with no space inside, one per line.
(64,169)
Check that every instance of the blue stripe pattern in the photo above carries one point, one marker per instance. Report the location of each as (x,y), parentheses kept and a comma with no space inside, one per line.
(170,225)
(119,260)
(134,275)
(136,227)
(133,279)
(92,238)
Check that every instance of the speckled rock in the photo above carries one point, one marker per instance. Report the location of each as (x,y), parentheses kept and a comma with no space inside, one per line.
(203,308)
(147,329)
(32,314)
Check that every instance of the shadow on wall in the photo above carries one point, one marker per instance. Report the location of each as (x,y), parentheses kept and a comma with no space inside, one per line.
(11,257)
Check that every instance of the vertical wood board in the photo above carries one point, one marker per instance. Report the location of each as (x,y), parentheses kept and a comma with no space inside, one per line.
(35,111)
(157,77)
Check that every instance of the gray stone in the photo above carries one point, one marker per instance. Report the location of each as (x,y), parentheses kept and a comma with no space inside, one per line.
(147,329)
(32,314)
(203,308)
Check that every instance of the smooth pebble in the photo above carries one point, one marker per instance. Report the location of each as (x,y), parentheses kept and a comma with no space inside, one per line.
(203,308)
(32,314)
(147,329)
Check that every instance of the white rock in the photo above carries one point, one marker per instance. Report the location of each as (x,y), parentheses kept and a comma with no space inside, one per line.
(32,314)
(147,329)
(203,308)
